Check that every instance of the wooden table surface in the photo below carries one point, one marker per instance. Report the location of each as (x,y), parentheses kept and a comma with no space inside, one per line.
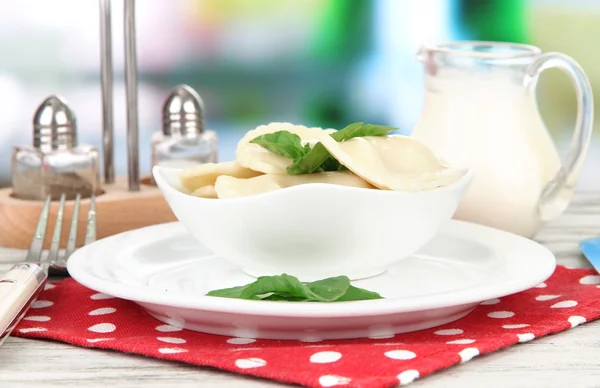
(568,359)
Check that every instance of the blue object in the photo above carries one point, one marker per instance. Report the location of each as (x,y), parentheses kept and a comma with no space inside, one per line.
(591,250)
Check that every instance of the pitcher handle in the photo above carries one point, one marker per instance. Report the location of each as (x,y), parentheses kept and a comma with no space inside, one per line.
(558,192)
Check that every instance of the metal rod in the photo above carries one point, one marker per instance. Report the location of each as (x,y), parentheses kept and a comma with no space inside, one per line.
(131,91)
(106,78)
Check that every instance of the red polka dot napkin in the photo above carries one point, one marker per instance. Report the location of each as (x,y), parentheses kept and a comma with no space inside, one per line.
(68,312)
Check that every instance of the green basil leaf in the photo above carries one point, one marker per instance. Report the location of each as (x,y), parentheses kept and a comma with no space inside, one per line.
(318,158)
(331,164)
(288,285)
(288,288)
(310,162)
(356,293)
(240,292)
(329,289)
(282,143)
(285,298)
(361,130)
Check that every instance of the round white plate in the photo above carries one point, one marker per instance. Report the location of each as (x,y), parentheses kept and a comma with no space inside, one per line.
(163,269)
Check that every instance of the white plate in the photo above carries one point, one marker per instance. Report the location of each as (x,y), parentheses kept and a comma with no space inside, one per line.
(163,269)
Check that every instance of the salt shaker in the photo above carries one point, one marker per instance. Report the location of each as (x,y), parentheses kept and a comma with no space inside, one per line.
(55,163)
(184,140)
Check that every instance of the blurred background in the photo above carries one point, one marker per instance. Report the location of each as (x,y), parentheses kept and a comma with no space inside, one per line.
(317,62)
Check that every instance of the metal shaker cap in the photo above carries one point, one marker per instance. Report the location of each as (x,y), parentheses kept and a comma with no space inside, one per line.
(183,112)
(54,125)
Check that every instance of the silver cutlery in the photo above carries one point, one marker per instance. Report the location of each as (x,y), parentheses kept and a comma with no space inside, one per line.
(24,281)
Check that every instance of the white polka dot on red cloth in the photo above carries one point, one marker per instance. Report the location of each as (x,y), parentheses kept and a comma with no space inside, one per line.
(247,363)
(541,285)
(564,304)
(40,304)
(94,340)
(103,328)
(171,350)
(325,357)
(37,318)
(408,376)
(449,332)
(49,286)
(590,279)
(491,301)
(167,328)
(543,298)
(576,320)
(103,311)
(240,341)
(464,341)
(468,353)
(101,296)
(515,326)
(32,329)
(525,337)
(171,340)
(400,354)
(501,314)
(333,380)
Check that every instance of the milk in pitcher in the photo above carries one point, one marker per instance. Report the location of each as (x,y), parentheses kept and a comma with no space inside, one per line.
(480,111)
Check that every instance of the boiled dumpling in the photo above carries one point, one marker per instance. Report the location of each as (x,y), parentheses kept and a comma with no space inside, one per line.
(229,187)
(257,158)
(206,174)
(205,192)
(392,162)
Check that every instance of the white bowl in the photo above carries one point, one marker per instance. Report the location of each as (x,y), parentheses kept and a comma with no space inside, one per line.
(314,231)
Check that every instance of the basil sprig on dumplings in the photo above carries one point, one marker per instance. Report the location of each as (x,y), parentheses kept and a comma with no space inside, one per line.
(308,160)
(288,288)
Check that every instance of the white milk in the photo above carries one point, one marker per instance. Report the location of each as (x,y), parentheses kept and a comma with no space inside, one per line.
(487,119)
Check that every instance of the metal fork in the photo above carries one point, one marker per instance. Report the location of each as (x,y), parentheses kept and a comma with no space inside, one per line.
(34,255)
(22,284)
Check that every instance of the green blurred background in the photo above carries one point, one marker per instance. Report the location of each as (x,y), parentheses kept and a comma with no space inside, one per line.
(315,62)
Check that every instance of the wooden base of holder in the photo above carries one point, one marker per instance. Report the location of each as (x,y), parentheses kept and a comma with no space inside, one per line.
(117,210)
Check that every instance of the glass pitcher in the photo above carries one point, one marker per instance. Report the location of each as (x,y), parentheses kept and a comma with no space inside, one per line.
(480,111)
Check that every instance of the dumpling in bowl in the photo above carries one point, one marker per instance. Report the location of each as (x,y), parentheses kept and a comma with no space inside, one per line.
(229,187)
(207,191)
(196,178)
(257,158)
(394,162)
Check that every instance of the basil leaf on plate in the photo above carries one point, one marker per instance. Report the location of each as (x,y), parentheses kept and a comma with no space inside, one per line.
(356,293)
(288,288)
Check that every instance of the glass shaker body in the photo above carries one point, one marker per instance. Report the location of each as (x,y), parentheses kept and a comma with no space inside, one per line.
(37,174)
(183,151)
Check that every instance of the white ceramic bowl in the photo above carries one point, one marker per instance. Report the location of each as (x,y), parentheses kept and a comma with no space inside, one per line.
(314,231)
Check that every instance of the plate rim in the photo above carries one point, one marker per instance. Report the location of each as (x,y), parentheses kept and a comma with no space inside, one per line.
(459,297)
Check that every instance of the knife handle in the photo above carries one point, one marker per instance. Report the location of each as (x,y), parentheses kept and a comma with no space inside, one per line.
(18,289)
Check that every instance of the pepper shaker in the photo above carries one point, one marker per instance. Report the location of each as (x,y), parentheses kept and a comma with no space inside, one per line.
(184,140)
(55,163)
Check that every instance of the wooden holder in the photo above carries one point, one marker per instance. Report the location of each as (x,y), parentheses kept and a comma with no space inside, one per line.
(117,210)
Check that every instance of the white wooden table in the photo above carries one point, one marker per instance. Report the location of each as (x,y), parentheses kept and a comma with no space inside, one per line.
(568,359)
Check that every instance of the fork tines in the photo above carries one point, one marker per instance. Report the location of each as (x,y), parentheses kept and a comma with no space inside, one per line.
(37,244)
